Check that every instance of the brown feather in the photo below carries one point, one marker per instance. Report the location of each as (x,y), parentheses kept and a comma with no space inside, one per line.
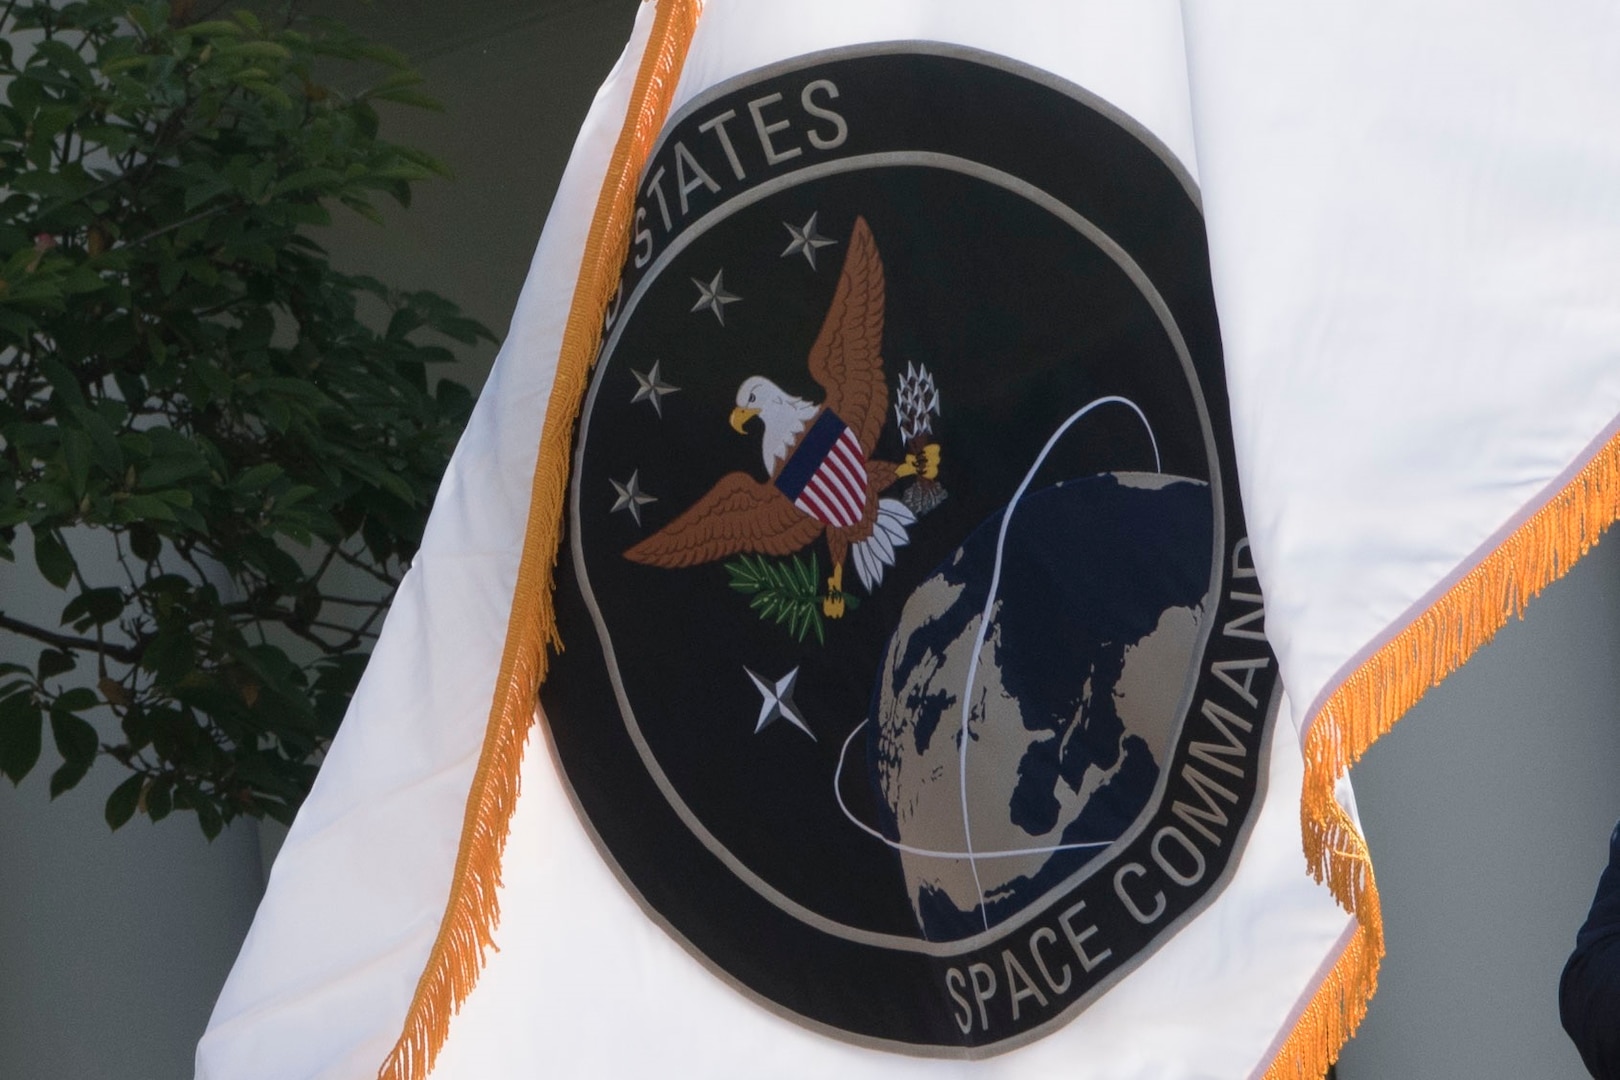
(847,357)
(738,514)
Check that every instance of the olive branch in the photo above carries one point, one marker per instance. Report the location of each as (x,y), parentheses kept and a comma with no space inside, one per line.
(786,592)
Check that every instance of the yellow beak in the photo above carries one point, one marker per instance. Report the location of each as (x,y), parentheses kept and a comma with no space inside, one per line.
(740,417)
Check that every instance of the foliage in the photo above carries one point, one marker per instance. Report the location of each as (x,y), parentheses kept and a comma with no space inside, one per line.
(784,591)
(187,385)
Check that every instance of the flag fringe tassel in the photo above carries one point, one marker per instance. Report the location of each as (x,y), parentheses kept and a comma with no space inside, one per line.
(1334,1012)
(473,907)
(1367,704)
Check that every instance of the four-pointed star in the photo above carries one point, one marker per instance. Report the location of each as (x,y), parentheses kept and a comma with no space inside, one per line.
(778,702)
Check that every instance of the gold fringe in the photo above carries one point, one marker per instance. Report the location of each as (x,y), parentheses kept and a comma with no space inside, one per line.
(1333,1014)
(473,908)
(1379,692)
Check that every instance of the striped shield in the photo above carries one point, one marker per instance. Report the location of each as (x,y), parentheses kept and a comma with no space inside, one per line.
(826,474)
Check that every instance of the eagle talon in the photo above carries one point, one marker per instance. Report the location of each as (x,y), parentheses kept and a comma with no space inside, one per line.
(930,467)
(927,468)
(832,605)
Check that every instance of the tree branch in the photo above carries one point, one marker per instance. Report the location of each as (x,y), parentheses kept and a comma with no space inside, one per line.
(201,215)
(380,602)
(369,568)
(124,654)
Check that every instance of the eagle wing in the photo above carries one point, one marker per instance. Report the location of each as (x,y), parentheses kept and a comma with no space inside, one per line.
(738,514)
(847,358)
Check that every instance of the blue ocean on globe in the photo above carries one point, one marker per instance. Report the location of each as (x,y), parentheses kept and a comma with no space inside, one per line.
(1073,702)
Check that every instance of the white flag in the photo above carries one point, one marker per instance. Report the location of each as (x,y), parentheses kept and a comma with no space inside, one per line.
(922,292)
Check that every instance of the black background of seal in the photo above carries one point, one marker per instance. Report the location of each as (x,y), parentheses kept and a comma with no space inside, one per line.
(1055,295)
(1020,318)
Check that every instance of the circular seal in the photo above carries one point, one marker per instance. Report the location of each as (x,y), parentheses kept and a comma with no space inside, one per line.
(916,677)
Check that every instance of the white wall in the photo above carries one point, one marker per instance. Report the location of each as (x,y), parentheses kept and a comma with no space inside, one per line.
(1488,810)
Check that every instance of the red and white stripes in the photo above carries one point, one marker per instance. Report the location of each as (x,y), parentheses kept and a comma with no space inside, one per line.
(836,491)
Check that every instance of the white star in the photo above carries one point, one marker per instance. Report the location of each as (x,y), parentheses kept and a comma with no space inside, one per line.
(631,497)
(650,387)
(714,296)
(806,240)
(778,702)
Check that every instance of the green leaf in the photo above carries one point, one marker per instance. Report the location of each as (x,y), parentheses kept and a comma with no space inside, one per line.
(124,63)
(170,656)
(77,743)
(56,499)
(76,700)
(316,176)
(257,477)
(124,800)
(76,452)
(208,817)
(21,735)
(197,194)
(82,279)
(167,471)
(53,662)
(97,606)
(109,456)
(144,542)
(68,775)
(63,384)
(364,209)
(213,28)
(169,274)
(25,94)
(261,50)
(149,508)
(160,798)
(54,560)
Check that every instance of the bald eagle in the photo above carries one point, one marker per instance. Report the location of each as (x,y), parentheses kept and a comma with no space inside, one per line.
(822,479)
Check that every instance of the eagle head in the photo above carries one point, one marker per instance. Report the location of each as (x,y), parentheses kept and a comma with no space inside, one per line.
(783,414)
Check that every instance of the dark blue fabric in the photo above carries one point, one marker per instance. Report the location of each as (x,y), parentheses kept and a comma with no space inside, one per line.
(811,453)
(1589,992)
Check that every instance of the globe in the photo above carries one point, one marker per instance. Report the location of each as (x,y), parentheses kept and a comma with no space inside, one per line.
(1071,689)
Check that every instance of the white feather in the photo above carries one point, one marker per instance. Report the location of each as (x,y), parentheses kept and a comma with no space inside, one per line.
(869,574)
(889,533)
(881,546)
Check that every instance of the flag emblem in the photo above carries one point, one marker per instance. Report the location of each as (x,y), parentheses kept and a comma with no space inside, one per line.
(820,478)
(916,676)
(826,476)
